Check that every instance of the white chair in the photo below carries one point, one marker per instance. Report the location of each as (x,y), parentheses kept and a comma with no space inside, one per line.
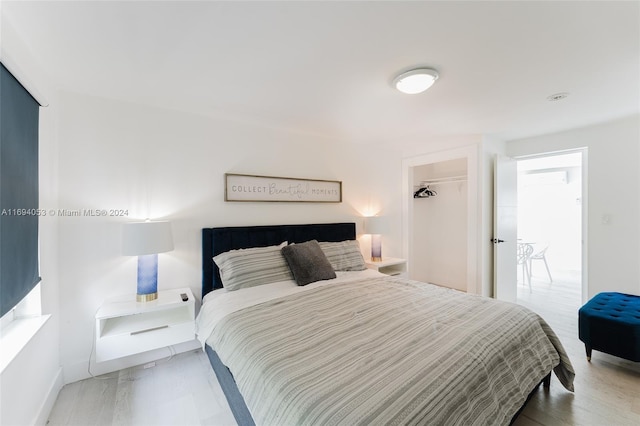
(524,253)
(540,255)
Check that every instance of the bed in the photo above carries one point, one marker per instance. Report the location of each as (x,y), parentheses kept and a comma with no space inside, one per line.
(363,347)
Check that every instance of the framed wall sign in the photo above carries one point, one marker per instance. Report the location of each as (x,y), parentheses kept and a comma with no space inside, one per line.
(281,189)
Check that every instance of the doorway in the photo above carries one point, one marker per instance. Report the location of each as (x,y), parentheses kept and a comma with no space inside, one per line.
(550,229)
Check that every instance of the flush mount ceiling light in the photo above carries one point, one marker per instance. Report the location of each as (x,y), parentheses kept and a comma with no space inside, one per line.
(415,81)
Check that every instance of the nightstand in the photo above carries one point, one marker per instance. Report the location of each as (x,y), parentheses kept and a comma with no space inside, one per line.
(389,266)
(126,327)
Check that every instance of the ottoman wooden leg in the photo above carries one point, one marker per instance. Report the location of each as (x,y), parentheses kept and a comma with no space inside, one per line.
(588,349)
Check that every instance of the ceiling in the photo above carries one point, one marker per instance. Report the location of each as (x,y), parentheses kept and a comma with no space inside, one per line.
(325,68)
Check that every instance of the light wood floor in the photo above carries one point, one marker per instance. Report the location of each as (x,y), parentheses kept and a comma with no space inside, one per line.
(184,391)
(607,389)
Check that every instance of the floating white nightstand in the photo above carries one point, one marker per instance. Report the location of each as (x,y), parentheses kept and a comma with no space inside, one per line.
(126,327)
(389,266)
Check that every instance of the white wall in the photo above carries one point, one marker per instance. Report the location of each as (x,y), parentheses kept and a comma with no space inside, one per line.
(165,164)
(31,382)
(550,214)
(613,180)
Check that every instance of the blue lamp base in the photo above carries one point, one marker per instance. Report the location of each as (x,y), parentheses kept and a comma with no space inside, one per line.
(147,278)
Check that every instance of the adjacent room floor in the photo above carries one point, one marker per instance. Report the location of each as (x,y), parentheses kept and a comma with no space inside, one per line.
(184,391)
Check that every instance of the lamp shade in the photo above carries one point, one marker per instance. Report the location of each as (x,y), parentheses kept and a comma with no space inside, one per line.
(142,238)
(374,225)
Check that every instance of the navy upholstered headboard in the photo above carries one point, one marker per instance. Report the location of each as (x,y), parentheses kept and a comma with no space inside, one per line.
(219,240)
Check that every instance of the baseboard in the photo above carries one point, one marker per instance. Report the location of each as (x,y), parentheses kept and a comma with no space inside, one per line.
(79,371)
(47,405)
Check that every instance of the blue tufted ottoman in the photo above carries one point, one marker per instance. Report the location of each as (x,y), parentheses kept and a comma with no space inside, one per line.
(610,323)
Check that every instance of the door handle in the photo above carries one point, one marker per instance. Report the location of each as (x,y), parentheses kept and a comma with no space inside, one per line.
(496,240)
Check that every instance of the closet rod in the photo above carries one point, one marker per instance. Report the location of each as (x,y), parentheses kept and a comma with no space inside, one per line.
(450,179)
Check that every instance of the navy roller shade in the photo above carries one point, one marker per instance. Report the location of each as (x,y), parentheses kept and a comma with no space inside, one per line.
(18,192)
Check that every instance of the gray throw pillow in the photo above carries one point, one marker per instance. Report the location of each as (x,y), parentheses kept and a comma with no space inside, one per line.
(308,262)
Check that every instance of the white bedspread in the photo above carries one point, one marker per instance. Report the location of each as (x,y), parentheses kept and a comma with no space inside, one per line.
(219,303)
(370,349)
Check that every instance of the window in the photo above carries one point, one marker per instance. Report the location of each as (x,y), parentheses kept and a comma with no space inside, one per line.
(19,272)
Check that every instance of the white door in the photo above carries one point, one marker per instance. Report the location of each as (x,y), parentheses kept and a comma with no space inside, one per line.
(505,228)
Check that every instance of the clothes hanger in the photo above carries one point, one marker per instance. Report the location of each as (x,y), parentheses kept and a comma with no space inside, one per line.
(424,192)
(421,193)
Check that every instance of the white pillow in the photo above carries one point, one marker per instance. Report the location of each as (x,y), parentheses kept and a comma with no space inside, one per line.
(344,255)
(251,267)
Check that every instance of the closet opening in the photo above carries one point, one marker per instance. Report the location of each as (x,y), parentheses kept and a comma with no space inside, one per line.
(439,224)
(442,218)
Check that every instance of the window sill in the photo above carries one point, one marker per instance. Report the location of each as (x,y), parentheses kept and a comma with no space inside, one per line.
(15,336)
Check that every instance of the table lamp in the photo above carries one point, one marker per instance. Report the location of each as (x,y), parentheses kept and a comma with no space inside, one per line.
(146,240)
